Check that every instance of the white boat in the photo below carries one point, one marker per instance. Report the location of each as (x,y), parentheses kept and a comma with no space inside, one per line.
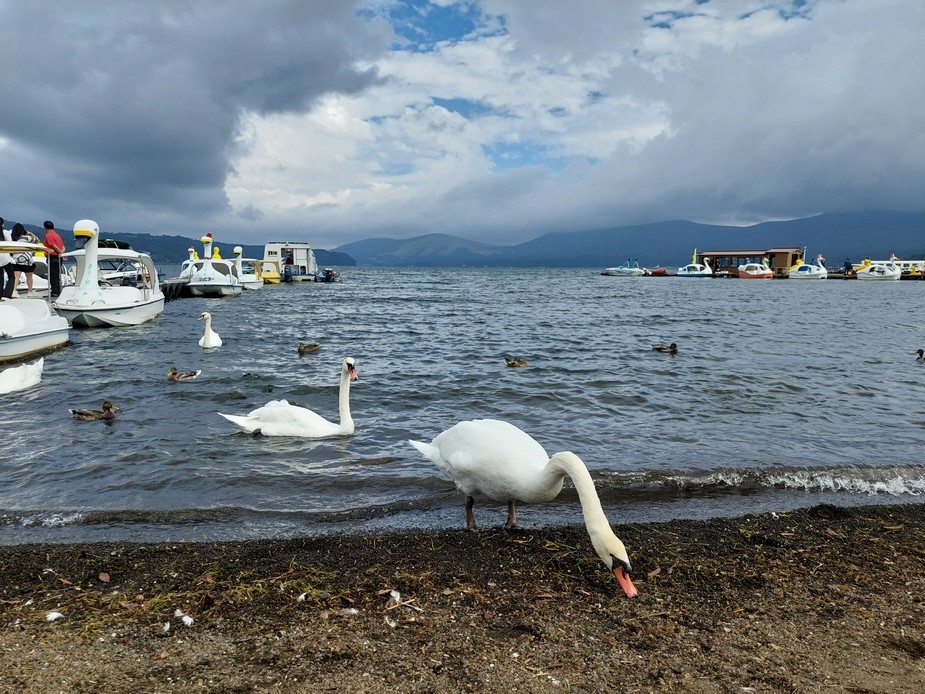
(695,269)
(250,270)
(28,326)
(755,271)
(813,271)
(296,260)
(211,275)
(879,270)
(98,303)
(629,269)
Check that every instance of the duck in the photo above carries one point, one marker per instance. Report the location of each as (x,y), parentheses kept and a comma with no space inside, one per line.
(671,349)
(308,347)
(108,412)
(21,377)
(175,375)
(279,418)
(515,362)
(920,352)
(498,460)
(210,339)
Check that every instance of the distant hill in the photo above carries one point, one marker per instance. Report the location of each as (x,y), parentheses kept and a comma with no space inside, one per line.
(854,235)
(172,250)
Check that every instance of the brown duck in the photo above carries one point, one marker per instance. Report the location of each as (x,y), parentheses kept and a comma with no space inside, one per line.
(308,347)
(515,362)
(174,375)
(108,412)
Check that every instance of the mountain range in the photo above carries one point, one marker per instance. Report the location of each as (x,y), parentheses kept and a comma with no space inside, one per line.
(854,235)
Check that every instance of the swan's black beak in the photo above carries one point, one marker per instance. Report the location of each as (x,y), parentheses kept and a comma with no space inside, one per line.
(621,571)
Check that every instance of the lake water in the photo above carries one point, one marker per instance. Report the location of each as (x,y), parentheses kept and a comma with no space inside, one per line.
(782,394)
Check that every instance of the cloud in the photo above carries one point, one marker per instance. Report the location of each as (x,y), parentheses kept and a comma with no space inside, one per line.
(497,120)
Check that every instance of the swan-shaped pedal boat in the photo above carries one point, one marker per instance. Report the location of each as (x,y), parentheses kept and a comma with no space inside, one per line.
(279,418)
(495,458)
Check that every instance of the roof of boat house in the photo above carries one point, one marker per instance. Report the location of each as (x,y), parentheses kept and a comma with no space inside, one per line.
(753,251)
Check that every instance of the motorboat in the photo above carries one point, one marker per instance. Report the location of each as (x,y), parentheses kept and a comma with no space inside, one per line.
(296,260)
(328,275)
(270,271)
(879,269)
(28,326)
(815,270)
(125,299)
(629,269)
(250,270)
(696,269)
(211,275)
(755,271)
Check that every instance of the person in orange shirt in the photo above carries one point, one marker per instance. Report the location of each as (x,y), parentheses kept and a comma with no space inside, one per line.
(55,245)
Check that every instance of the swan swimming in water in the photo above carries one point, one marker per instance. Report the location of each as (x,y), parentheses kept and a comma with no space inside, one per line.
(279,418)
(210,338)
(494,458)
(21,377)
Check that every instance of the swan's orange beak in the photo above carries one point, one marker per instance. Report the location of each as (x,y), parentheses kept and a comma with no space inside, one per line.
(351,369)
(623,578)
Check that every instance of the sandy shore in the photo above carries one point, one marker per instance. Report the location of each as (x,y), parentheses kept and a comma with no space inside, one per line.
(821,600)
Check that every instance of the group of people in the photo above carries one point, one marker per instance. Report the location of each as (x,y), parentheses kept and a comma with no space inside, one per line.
(14,265)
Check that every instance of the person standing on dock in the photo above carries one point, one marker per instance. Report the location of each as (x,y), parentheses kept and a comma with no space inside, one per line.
(55,245)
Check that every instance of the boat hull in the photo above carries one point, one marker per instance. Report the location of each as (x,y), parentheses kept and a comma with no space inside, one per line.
(111,316)
(28,328)
(214,290)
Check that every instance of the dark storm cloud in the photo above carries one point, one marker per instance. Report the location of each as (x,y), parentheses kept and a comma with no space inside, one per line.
(144,99)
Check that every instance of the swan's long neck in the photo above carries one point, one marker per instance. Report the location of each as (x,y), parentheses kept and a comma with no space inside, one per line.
(602,536)
(346,421)
(208,332)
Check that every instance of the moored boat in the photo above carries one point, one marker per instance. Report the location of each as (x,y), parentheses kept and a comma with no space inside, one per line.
(755,271)
(629,269)
(29,326)
(250,270)
(296,260)
(879,270)
(815,270)
(213,276)
(95,303)
(696,269)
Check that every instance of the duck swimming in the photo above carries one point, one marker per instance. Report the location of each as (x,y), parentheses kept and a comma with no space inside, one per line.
(174,375)
(921,353)
(308,347)
(108,412)
(515,362)
(496,459)
(671,349)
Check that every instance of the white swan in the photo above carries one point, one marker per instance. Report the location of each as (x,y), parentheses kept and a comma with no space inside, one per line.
(502,462)
(21,377)
(279,418)
(210,339)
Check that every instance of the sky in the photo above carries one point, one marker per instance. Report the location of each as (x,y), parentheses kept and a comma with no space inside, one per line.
(332,121)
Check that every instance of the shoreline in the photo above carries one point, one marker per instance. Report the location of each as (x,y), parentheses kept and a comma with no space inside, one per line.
(814,599)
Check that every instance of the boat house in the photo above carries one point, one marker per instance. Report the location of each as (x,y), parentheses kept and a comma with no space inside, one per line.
(726,262)
(295,260)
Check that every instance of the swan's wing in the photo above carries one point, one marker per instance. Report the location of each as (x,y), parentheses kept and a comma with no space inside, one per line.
(279,418)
